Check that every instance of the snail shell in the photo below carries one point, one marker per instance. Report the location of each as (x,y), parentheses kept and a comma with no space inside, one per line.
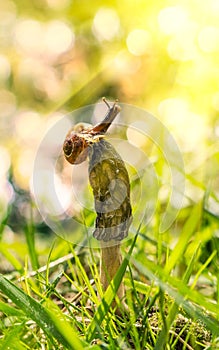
(82,135)
(76,144)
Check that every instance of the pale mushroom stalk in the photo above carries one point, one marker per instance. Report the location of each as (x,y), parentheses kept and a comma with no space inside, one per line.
(110,183)
(111,259)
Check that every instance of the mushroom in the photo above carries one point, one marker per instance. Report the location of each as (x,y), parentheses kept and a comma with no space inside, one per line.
(111,189)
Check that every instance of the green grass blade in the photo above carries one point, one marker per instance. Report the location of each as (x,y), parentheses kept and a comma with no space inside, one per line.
(182,294)
(109,295)
(53,324)
(163,335)
(10,310)
(30,239)
(11,340)
(185,235)
(202,268)
(85,277)
(4,250)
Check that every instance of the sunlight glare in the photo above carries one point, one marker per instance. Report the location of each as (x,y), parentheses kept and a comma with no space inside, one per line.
(54,196)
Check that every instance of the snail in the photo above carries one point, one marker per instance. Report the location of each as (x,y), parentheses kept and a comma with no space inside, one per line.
(82,136)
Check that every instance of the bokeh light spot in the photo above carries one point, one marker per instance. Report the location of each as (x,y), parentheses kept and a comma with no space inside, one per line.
(209,39)
(172,19)
(214,6)
(125,63)
(215,101)
(106,24)
(139,42)
(26,124)
(176,113)
(173,108)
(58,38)
(29,35)
(36,38)
(182,46)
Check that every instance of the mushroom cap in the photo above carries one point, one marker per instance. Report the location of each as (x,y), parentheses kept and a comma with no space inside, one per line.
(111,188)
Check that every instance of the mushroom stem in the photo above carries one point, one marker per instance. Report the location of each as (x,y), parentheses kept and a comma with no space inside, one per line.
(111,260)
(109,180)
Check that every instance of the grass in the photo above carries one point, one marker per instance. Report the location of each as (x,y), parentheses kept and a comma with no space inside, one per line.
(171,292)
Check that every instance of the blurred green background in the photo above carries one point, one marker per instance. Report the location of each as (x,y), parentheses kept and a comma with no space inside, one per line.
(57,55)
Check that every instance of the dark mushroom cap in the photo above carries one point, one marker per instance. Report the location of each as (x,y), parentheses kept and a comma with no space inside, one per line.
(111,188)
